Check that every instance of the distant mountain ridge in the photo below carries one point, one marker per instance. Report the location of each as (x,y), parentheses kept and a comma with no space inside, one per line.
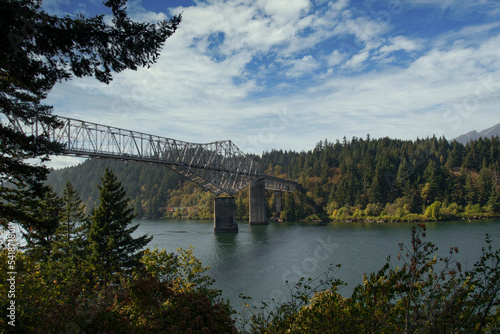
(474,135)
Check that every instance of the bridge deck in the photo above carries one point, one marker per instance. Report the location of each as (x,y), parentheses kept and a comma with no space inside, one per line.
(220,167)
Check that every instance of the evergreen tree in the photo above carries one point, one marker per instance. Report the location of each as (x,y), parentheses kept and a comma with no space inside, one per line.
(111,247)
(470,189)
(493,201)
(69,241)
(375,192)
(73,213)
(45,215)
(435,181)
(37,50)
(456,155)
(484,184)
(403,178)
(471,160)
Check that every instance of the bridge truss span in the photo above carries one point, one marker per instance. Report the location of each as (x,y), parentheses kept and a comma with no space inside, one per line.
(220,167)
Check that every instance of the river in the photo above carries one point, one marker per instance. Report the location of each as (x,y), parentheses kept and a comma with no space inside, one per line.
(257,261)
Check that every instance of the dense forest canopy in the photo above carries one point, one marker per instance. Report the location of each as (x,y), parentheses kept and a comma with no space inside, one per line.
(356,178)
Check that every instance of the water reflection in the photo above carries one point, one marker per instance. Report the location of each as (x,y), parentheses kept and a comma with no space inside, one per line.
(225,239)
(259,234)
(225,246)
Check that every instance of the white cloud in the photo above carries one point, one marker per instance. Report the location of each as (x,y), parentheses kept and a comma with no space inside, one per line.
(335,58)
(363,28)
(302,66)
(284,11)
(339,5)
(58,162)
(401,43)
(357,60)
(212,79)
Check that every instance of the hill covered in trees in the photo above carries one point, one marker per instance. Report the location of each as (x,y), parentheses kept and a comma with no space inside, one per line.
(360,179)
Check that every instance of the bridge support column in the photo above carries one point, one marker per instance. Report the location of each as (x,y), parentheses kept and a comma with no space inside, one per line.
(257,205)
(278,202)
(225,215)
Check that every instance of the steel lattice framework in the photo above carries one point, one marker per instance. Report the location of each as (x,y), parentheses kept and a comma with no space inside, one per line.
(220,167)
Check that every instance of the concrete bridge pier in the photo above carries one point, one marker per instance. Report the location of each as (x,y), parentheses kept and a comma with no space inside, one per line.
(278,201)
(257,194)
(225,215)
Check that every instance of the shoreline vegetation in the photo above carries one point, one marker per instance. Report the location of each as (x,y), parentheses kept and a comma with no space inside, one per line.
(433,213)
(383,219)
(383,179)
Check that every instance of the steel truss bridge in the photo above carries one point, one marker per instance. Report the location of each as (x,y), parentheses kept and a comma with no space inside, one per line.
(220,167)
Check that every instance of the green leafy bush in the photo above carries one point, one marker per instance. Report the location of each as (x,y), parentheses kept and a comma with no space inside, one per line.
(424,293)
(434,210)
(172,294)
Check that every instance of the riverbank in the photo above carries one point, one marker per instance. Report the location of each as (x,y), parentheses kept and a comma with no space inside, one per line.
(406,220)
(400,212)
(379,220)
(412,218)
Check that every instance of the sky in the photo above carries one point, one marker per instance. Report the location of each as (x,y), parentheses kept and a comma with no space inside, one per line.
(285,74)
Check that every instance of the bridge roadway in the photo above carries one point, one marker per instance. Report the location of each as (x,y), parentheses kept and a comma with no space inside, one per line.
(220,167)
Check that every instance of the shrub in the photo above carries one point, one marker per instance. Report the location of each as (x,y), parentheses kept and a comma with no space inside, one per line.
(472,210)
(170,294)
(343,213)
(373,210)
(398,208)
(358,213)
(434,210)
(450,211)
(424,294)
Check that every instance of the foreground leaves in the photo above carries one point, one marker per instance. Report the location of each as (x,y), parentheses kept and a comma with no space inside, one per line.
(424,294)
(172,295)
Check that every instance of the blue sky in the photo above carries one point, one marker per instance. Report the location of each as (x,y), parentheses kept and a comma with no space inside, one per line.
(285,74)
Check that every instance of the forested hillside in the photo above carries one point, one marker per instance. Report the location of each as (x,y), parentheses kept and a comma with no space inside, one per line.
(146,185)
(388,177)
(409,180)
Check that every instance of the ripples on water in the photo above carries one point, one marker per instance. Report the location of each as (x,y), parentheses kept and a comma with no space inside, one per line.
(258,260)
